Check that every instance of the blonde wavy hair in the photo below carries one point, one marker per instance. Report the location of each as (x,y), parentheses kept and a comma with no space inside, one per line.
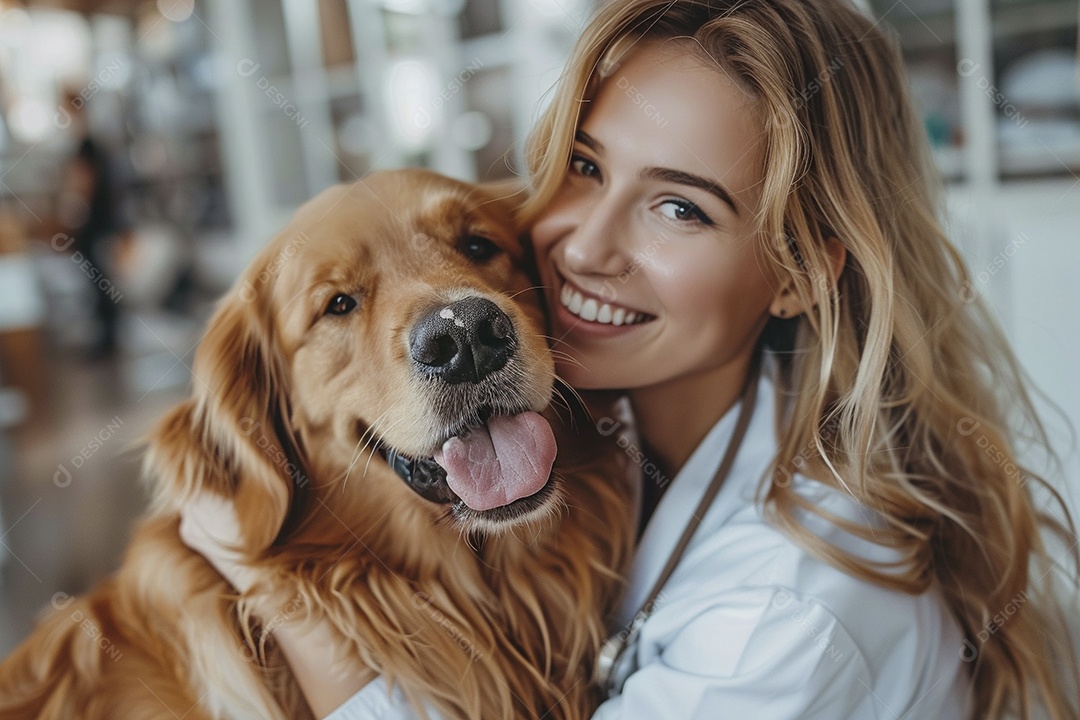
(898,382)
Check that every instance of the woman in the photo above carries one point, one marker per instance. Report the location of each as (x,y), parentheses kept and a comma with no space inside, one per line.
(734,217)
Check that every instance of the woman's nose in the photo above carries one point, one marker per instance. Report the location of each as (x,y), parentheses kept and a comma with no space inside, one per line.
(592,246)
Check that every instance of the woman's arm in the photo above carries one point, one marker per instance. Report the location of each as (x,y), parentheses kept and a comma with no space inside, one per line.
(310,653)
(209,526)
(751,655)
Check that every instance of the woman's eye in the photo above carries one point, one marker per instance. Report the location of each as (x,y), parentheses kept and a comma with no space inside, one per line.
(684,211)
(341,304)
(583,166)
(478,248)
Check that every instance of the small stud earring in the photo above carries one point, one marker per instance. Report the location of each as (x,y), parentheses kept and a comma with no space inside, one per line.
(783,312)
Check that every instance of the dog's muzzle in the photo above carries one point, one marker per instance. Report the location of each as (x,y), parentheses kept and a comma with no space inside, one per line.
(458,350)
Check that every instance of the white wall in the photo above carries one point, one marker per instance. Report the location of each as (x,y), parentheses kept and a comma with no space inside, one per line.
(1023,246)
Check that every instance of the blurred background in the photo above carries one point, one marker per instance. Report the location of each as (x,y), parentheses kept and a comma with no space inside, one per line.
(149,149)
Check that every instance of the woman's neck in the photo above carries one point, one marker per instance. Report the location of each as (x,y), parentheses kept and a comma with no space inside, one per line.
(672,418)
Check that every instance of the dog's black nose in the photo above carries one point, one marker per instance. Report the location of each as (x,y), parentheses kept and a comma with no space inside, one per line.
(464,341)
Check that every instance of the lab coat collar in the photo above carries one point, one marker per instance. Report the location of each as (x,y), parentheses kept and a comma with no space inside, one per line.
(677,505)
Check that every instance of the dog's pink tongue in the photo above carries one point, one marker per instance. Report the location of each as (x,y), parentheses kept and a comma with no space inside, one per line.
(505,461)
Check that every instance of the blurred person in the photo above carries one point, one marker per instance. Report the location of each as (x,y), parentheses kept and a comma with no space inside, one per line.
(92,207)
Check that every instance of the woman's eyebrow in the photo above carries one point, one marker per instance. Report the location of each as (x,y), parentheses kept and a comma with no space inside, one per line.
(685,178)
(589,141)
(667,174)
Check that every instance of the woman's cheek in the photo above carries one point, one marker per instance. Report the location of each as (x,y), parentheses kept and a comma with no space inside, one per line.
(541,254)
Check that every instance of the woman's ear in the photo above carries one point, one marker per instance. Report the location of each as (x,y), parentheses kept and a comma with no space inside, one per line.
(233,436)
(787,304)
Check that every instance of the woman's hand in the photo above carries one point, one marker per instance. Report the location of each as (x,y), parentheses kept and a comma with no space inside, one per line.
(209,526)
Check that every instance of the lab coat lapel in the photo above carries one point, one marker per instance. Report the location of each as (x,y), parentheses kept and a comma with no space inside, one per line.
(679,501)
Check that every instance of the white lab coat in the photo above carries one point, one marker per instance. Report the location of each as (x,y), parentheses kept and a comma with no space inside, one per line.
(751,626)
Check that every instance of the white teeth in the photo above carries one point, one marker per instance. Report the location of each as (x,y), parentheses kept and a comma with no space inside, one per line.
(589,309)
(592,310)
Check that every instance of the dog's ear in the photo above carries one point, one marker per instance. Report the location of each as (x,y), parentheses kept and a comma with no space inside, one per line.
(240,387)
(233,436)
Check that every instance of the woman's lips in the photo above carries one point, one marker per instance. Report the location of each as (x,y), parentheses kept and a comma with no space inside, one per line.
(593,309)
(571,320)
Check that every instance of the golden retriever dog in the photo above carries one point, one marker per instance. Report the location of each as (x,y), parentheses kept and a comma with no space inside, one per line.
(390,323)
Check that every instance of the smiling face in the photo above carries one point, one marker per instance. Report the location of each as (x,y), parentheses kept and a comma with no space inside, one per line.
(650,253)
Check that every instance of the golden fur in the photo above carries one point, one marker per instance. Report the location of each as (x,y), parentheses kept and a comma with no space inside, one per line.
(479,619)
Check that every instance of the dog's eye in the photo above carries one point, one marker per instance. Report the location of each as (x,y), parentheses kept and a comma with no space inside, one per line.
(478,248)
(341,304)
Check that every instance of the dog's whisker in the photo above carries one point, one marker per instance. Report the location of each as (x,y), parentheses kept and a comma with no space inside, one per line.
(558,350)
(352,464)
(557,396)
(368,463)
(561,384)
(552,341)
(528,289)
(569,359)
(370,431)
(368,436)
(564,355)
(569,408)
(362,445)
